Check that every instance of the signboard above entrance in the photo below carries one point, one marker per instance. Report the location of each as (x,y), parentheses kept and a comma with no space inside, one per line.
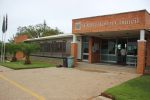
(115,22)
(106,23)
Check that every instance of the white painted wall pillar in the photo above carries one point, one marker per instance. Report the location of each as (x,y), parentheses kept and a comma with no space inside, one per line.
(74,50)
(142,35)
(74,39)
(141,54)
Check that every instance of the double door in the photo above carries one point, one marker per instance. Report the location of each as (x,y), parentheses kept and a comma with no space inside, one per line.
(112,51)
(121,51)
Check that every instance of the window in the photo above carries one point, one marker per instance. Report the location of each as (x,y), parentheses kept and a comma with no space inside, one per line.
(108,48)
(85,39)
(85,48)
(53,46)
(111,46)
(104,47)
(85,44)
(132,47)
(78,26)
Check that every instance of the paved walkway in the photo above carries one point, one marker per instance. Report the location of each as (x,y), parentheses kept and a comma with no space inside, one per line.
(57,83)
(4,69)
(100,67)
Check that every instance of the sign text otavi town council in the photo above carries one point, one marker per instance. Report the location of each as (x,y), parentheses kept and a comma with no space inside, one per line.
(108,23)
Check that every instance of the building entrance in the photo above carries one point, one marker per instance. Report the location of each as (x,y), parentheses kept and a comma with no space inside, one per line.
(85,48)
(119,51)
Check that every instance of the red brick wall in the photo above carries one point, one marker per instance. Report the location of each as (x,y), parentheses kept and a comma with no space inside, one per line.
(90,58)
(148,51)
(74,52)
(141,57)
(147,17)
(94,57)
(19,55)
(21,38)
(111,18)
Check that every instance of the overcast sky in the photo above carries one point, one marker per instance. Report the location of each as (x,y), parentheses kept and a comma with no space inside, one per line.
(59,13)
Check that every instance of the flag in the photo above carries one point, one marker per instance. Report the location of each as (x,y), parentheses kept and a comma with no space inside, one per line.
(6,22)
(4,25)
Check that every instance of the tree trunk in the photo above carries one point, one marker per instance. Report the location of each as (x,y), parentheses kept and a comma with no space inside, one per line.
(14,59)
(27,60)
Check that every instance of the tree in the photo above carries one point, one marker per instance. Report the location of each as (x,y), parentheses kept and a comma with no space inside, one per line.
(12,39)
(27,49)
(39,30)
(13,48)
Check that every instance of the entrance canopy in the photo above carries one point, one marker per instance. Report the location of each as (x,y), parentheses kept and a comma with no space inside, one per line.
(114,34)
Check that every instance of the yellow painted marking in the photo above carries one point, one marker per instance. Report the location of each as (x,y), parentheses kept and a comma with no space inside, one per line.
(22,88)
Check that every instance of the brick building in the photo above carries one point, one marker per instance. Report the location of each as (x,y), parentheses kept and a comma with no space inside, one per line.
(104,37)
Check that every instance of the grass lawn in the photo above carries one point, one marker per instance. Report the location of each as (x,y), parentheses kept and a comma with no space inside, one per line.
(20,65)
(135,89)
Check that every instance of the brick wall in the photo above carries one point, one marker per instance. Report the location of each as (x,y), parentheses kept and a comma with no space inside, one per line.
(141,57)
(19,39)
(94,55)
(111,18)
(148,51)
(74,52)
(147,17)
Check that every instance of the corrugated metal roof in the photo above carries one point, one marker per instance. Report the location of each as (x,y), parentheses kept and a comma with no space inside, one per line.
(51,37)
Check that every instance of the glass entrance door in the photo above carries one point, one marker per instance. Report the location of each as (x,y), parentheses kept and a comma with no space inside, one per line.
(85,48)
(108,51)
(132,52)
(121,51)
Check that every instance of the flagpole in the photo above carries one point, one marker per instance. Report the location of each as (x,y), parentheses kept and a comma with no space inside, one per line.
(4,47)
(4,29)
(5,36)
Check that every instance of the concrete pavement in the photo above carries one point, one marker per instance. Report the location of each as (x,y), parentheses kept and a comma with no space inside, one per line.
(58,83)
(4,69)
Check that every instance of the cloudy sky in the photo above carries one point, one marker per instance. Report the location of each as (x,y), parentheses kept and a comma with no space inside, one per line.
(59,13)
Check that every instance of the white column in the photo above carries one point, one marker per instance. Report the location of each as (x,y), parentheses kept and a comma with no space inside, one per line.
(74,39)
(142,35)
